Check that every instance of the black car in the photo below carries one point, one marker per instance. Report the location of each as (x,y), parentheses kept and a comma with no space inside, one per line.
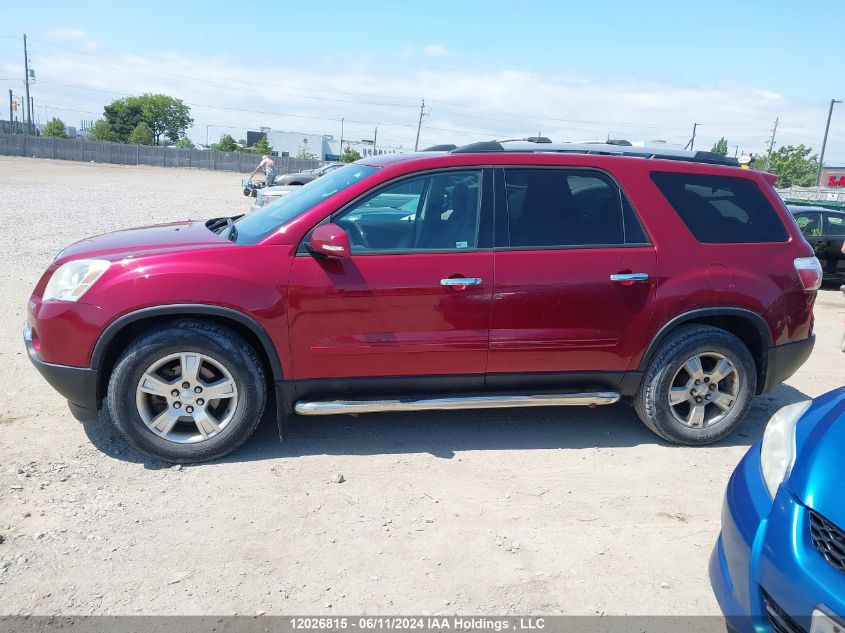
(824,229)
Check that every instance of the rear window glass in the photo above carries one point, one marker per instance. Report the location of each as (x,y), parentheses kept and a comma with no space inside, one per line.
(721,209)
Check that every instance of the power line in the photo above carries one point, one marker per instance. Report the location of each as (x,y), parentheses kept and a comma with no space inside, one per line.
(450,108)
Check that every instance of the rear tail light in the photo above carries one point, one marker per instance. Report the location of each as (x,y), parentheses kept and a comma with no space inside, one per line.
(810,271)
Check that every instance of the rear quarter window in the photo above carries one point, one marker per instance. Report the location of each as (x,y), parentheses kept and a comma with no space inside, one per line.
(721,209)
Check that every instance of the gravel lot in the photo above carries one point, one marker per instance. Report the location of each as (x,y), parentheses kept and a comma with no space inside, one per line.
(495,512)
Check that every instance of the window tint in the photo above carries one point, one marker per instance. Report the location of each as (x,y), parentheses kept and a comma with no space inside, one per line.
(836,225)
(721,209)
(809,223)
(559,207)
(432,212)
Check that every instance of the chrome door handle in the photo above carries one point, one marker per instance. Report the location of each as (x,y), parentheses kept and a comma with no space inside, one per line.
(629,277)
(461,281)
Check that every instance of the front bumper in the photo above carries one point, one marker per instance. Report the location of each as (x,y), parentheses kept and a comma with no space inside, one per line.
(785,360)
(765,546)
(77,384)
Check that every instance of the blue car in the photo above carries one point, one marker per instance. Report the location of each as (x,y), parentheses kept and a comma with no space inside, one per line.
(779,562)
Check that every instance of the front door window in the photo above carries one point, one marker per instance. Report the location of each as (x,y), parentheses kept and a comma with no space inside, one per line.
(435,212)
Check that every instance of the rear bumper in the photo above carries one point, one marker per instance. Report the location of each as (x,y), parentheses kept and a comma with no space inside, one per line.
(785,360)
(77,384)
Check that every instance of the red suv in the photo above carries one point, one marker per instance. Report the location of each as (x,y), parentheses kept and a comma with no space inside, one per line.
(500,274)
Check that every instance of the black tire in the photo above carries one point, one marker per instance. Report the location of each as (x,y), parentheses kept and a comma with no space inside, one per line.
(217,342)
(652,400)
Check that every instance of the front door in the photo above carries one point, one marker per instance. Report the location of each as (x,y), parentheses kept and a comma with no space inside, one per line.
(575,278)
(413,300)
(811,224)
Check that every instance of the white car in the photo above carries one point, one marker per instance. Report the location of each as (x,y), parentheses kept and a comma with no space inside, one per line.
(271,194)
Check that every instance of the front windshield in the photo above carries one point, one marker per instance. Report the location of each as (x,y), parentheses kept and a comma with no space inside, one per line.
(258,225)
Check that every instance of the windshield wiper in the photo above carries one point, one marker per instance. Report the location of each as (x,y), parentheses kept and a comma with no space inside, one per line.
(233,230)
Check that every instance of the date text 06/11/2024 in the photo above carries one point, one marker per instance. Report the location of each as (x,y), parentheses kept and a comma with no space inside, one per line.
(432,623)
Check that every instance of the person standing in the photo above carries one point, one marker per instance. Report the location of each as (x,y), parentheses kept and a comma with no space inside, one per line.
(269,168)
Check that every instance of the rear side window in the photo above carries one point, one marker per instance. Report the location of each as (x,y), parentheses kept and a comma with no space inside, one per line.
(836,225)
(721,209)
(564,207)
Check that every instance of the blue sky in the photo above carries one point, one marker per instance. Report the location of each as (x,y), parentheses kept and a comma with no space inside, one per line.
(574,70)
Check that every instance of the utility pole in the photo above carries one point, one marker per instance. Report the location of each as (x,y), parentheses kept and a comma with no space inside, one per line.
(375,138)
(11,125)
(771,144)
(691,143)
(342,119)
(824,142)
(419,125)
(26,79)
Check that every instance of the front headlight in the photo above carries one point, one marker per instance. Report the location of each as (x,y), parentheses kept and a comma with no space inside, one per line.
(777,454)
(72,280)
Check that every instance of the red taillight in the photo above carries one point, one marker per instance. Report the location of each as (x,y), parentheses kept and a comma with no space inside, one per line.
(810,271)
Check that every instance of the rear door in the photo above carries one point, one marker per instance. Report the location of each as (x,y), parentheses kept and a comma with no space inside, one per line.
(412,301)
(575,277)
(835,233)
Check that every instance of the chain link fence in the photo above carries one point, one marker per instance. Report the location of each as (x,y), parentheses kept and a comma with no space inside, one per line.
(813,193)
(124,154)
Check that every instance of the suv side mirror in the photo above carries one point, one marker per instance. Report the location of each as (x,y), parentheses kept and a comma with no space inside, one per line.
(329,240)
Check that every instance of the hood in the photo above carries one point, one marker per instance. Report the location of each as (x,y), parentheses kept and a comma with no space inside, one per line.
(819,472)
(145,240)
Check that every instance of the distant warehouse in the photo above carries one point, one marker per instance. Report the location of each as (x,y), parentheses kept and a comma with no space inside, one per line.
(320,146)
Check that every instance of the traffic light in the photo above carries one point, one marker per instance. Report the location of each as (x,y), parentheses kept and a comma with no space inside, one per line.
(14,106)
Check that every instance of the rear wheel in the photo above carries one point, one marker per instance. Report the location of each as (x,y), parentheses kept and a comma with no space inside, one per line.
(698,386)
(188,392)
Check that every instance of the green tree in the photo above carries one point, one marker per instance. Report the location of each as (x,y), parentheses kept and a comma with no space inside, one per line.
(123,116)
(101,131)
(304,154)
(794,165)
(55,127)
(142,134)
(721,146)
(262,146)
(225,144)
(166,116)
(184,143)
(349,155)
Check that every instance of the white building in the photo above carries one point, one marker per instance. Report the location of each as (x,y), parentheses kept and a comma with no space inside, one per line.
(321,146)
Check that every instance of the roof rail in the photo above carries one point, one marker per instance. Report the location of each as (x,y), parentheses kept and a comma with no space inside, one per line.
(607,149)
(445,147)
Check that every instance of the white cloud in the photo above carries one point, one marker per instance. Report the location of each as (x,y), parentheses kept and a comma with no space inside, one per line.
(67,34)
(436,50)
(466,103)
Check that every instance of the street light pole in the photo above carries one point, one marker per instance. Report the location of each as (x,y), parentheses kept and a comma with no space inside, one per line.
(824,142)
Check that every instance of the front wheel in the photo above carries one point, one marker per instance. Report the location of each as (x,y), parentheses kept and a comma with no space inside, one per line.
(187,392)
(698,387)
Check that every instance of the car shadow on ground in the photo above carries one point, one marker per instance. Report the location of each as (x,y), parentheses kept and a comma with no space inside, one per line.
(444,433)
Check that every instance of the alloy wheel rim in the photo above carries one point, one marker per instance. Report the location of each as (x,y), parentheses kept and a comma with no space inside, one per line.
(704,390)
(186,397)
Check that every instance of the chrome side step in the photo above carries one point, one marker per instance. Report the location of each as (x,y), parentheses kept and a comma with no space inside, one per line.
(332,407)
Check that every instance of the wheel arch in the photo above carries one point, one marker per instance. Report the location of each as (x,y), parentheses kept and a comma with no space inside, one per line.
(123,329)
(746,325)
